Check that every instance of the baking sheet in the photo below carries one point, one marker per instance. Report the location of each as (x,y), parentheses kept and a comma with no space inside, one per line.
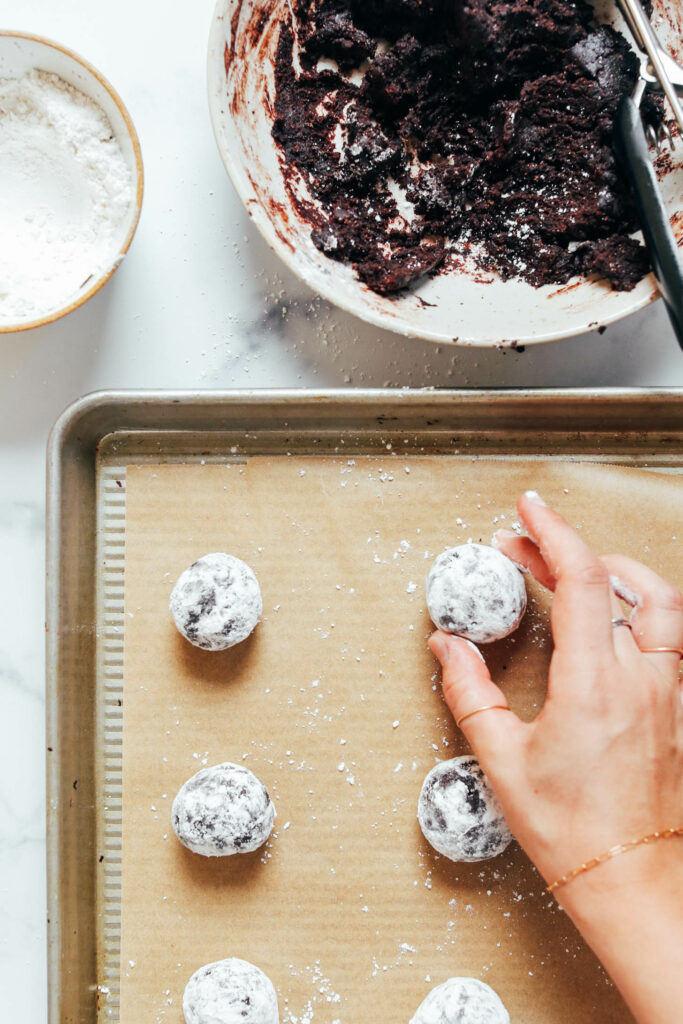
(89,450)
(333,703)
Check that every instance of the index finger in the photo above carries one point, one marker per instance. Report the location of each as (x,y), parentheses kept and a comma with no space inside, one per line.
(581,615)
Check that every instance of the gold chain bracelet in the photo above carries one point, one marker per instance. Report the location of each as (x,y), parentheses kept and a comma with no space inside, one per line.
(668,833)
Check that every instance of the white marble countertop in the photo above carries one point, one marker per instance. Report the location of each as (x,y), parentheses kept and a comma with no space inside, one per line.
(198,302)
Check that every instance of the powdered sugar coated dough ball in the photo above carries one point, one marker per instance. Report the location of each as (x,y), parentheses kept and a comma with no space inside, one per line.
(462,1001)
(216,603)
(459,813)
(230,992)
(223,810)
(476,592)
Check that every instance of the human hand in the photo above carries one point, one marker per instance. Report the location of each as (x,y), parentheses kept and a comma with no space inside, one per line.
(602,763)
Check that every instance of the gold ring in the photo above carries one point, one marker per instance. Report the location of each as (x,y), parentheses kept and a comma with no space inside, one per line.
(662,650)
(621,622)
(488,707)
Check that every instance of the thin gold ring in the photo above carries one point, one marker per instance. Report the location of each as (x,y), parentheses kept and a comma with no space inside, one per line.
(662,650)
(477,711)
(621,621)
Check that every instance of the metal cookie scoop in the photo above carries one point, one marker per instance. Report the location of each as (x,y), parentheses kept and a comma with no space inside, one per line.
(662,71)
(673,70)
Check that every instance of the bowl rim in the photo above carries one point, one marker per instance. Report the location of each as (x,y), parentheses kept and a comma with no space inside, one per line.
(139,176)
(224,12)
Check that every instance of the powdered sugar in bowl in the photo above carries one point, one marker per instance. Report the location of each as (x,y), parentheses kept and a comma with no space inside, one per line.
(72,181)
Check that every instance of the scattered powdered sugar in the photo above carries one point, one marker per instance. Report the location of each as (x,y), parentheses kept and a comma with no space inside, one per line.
(324,995)
(66,194)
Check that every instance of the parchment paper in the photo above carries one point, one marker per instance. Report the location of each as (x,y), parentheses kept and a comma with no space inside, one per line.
(334,703)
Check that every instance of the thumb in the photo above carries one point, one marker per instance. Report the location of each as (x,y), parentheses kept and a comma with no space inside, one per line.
(467,686)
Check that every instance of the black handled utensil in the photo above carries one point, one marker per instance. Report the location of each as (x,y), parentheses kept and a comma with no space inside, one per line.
(633,152)
(631,148)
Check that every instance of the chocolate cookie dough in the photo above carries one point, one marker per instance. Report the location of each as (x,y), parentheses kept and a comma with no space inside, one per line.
(430,131)
(476,592)
(223,810)
(216,603)
(462,1001)
(459,813)
(230,992)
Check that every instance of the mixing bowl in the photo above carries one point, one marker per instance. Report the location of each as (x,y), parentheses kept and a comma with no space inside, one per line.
(20,53)
(467,308)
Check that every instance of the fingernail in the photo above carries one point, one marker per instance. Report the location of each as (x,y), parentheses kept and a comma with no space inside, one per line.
(623,591)
(474,648)
(438,645)
(502,534)
(535,498)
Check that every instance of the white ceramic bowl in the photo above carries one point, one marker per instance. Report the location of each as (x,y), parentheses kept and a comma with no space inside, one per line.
(20,53)
(455,307)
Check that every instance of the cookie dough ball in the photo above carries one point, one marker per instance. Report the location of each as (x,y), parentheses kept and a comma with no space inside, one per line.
(216,603)
(223,810)
(462,1001)
(476,592)
(459,813)
(230,992)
